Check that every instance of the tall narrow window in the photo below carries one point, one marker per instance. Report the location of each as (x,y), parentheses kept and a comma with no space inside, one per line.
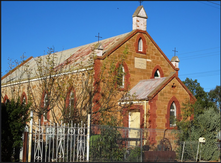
(157,74)
(5,100)
(23,100)
(71,103)
(45,107)
(172,114)
(120,76)
(140,45)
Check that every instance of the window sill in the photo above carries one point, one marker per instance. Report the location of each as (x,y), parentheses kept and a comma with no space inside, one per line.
(172,127)
(141,52)
(121,89)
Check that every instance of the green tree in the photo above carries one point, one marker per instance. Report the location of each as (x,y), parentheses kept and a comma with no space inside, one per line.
(205,125)
(107,146)
(93,93)
(203,101)
(215,96)
(14,118)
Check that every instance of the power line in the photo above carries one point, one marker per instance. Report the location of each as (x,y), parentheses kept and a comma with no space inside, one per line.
(198,54)
(201,72)
(208,4)
(199,50)
(214,3)
(202,75)
(198,57)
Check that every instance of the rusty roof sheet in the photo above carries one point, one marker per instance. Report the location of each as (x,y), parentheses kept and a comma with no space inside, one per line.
(83,53)
(70,59)
(144,88)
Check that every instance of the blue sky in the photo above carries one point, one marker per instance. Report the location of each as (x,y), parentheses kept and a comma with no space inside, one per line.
(193,27)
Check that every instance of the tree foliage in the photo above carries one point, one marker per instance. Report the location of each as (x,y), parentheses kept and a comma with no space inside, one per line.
(106,146)
(200,119)
(14,118)
(203,101)
(95,91)
(205,125)
(215,97)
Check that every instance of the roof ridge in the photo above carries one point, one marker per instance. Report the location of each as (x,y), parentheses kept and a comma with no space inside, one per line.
(83,45)
(160,85)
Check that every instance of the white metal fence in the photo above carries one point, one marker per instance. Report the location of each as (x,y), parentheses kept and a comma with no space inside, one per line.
(59,143)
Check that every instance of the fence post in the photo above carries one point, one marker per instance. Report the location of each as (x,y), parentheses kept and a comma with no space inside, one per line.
(197,152)
(141,143)
(183,151)
(88,135)
(25,146)
(30,137)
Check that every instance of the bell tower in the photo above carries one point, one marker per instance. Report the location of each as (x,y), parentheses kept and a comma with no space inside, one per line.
(140,19)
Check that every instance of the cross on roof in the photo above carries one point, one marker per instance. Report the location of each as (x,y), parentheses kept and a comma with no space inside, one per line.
(174,51)
(140,2)
(98,37)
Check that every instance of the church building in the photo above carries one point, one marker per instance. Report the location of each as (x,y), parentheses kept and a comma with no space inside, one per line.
(148,75)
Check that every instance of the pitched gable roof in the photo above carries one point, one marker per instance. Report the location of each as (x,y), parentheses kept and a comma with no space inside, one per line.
(147,89)
(163,84)
(83,53)
(71,59)
(143,88)
(140,12)
(67,58)
(126,38)
(10,72)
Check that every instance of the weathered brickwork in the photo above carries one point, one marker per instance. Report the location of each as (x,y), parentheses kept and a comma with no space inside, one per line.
(37,91)
(152,53)
(144,57)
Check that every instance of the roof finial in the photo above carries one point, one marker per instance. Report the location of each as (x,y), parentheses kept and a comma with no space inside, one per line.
(140,2)
(98,37)
(174,51)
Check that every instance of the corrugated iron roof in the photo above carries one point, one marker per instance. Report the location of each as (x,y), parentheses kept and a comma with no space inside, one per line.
(67,58)
(143,89)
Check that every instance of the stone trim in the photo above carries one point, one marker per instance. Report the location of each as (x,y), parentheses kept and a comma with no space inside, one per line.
(97,89)
(126,116)
(5,98)
(178,112)
(42,105)
(22,96)
(68,97)
(126,76)
(154,70)
(152,119)
(140,36)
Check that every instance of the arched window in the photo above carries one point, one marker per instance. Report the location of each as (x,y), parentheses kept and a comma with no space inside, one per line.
(23,99)
(172,114)
(5,100)
(70,111)
(120,76)
(71,103)
(157,74)
(140,45)
(45,105)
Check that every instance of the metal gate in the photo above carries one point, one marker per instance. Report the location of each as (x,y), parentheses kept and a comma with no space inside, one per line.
(59,143)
